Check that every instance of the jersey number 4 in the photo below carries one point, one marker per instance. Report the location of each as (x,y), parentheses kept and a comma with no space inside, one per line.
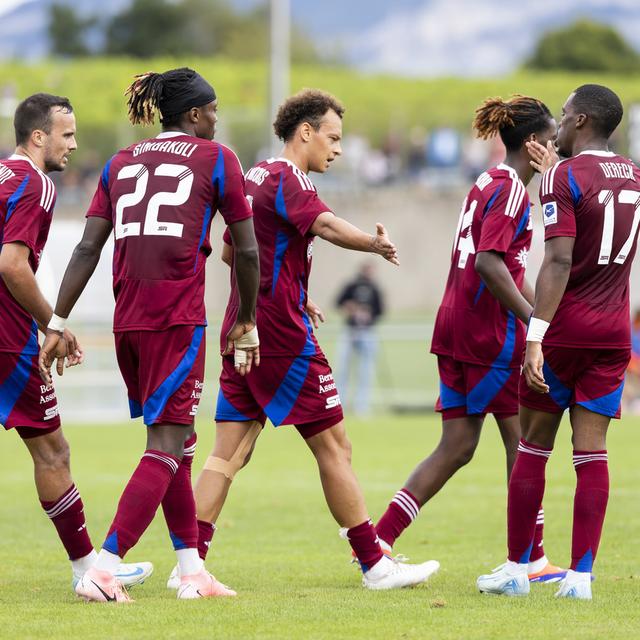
(625,196)
(152,226)
(464,239)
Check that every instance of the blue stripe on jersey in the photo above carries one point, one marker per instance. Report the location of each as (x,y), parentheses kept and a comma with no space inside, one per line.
(523,223)
(605,405)
(281,208)
(576,194)
(14,198)
(105,174)
(450,398)
(218,173)
(479,398)
(226,412)
(11,389)
(205,223)
(309,348)
(506,355)
(479,292)
(282,242)
(491,201)
(285,397)
(156,403)
(560,394)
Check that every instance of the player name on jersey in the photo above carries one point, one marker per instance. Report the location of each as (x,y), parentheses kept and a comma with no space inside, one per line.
(184,149)
(617,170)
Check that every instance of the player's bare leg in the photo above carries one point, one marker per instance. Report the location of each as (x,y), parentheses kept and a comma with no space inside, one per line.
(510,432)
(590,502)
(51,464)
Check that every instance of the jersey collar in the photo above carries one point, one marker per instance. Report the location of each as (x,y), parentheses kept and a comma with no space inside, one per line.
(17,156)
(172,134)
(601,154)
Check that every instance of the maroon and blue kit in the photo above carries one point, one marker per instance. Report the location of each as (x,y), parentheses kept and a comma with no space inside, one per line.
(27,199)
(593,197)
(479,343)
(161,195)
(294,383)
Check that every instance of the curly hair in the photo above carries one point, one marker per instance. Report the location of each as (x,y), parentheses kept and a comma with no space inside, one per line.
(514,120)
(309,105)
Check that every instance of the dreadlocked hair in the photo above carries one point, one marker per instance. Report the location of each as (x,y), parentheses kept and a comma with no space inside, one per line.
(148,89)
(514,120)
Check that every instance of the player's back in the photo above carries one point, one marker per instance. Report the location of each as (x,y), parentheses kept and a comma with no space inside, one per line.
(161,195)
(594,197)
(27,199)
(472,325)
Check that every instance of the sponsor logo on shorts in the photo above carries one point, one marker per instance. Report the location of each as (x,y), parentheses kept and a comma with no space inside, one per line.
(326,383)
(51,412)
(196,394)
(47,394)
(550,213)
(194,409)
(332,402)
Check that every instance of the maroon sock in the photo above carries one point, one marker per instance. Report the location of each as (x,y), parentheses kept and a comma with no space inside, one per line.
(589,507)
(140,500)
(400,513)
(178,504)
(67,515)
(537,550)
(526,490)
(364,542)
(205,533)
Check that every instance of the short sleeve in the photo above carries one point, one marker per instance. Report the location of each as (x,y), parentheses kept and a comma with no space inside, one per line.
(100,206)
(556,198)
(28,208)
(301,202)
(232,203)
(502,215)
(226,237)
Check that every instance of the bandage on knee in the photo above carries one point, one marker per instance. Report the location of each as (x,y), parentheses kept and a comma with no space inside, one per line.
(229,468)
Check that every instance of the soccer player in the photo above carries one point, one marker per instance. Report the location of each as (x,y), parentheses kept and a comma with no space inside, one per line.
(45,130)
(158,196)
(480,327)
(294,383)
(578,340)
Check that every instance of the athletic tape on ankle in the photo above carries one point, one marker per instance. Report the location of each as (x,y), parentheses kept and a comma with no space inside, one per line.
(248,341)
(536,330)
(229,468)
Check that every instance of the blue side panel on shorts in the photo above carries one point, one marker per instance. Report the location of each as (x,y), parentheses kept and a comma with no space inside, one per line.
(560,394)
(135,408)
(156,403)
(605,405)
(450,399)
(11,389)
(225,411)
(285,397)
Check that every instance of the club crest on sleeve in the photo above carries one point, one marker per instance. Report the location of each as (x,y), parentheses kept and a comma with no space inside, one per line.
(550,213)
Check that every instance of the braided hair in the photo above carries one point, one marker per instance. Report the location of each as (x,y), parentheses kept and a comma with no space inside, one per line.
(514,120)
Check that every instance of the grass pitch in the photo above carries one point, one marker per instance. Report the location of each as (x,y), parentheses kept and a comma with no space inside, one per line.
(278,546)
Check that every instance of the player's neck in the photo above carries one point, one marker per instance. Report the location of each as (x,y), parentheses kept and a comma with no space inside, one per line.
(34,157)
(520,165)
(296,158)
(590,144)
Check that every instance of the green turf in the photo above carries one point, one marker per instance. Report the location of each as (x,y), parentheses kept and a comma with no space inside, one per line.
(278,546)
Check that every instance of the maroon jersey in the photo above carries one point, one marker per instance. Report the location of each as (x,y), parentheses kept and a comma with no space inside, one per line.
(471,325)
(593,197)
(27,198)
(285,205)
(160,195)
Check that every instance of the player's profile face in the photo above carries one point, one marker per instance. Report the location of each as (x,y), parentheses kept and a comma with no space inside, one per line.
(208,116)
(325,142)
(549,133)
(60,141)
(566,128)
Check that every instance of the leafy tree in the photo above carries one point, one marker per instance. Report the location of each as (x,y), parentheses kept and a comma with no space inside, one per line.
(67,31)
(584,46)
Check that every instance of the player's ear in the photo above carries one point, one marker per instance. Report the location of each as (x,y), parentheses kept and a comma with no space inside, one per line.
(194,115)
(581,120)
(305,131)
(38,137)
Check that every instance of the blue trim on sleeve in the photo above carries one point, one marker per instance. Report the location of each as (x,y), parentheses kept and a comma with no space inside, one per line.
(156,403)
(225,411)
(282,242)
(205,223)
(281,207)
(605,405)
(218,176)
(285,397)
(491,201)
(104,178)
(576,194)
(11,389)
(14,198)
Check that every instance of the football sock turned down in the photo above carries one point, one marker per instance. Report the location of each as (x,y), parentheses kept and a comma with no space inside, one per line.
(400,513)
(526,490)
(589,507)
(365,545)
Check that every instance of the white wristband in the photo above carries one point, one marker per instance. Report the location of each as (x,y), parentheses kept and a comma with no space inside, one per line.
(57,323)
(537,329)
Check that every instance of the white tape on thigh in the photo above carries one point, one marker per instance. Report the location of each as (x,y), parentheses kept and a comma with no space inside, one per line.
(248,341)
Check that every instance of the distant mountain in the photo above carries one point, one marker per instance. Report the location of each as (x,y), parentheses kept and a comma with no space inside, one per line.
(406,37)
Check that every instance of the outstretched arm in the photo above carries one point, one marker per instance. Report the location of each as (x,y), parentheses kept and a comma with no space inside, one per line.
(495,274)
(343,234)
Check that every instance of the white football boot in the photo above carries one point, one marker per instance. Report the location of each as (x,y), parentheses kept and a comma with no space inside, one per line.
(509,579)
(388,573)
(577,584)
(129,574)
(173,581)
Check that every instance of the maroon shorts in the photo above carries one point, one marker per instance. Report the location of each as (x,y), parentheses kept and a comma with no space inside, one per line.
(471,390)
(26,403)
(164,372)
(299,391)
(592,378)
